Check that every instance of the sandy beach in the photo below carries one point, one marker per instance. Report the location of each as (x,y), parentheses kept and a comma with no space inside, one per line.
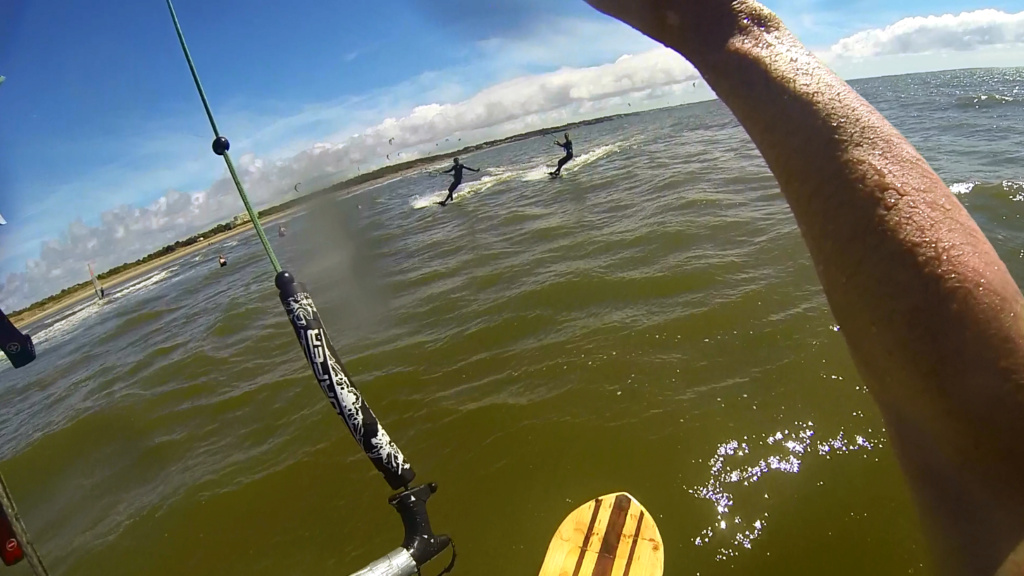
(87,292)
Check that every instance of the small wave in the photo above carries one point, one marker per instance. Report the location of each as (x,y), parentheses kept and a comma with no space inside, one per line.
(384,183)
(543,171)
(495,176)
(1014,188)
(147,317)
(59,331)
(144,284)
(986,101)
(960,188)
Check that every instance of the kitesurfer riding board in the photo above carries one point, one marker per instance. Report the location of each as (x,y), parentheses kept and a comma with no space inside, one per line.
(609,536)
(456,171)
(567,146)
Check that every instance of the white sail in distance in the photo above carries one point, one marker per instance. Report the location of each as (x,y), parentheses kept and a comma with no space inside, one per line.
(95,283)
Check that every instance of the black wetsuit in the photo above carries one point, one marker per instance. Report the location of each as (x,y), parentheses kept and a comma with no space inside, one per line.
(456,182)
(567,146)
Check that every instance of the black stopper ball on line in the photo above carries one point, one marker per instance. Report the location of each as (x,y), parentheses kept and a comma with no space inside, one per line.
(284,279)
(221,145)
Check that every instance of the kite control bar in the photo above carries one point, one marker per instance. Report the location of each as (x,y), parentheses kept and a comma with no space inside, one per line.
(420,545)
(334,381)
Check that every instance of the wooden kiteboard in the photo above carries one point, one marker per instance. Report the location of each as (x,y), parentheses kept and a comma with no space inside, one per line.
(610,536)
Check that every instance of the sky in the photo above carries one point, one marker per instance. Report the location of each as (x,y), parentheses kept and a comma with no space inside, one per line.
(105,150)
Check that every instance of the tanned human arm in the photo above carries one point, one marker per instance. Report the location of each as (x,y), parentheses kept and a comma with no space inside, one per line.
(931,315)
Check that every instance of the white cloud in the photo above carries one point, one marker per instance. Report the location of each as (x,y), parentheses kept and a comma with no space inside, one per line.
(125,233)
(532,95)
(921,35)
(560,42)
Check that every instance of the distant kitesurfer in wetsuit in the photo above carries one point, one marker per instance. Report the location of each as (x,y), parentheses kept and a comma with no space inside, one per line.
(567,146)
(456,182)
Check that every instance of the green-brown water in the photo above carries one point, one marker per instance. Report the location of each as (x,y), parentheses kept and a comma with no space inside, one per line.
(650,323)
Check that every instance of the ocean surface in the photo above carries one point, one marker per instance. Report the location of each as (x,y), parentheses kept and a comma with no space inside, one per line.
(650,323)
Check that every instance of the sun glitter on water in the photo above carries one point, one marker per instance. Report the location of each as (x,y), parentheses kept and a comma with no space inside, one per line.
(783,452)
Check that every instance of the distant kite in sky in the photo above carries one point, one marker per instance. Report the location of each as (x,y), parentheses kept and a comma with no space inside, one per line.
(2,221)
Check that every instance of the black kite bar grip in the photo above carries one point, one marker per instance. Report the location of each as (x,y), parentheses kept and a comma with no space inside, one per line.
(336,384)
(420,540)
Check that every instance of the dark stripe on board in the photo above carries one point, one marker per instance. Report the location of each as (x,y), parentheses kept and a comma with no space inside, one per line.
(632,547)
(612,536)
(586,539)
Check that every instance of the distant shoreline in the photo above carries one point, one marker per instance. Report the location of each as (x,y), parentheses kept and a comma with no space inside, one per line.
(88,292)
(34,312)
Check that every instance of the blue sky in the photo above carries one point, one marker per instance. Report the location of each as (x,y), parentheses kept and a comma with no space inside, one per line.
(100,120)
